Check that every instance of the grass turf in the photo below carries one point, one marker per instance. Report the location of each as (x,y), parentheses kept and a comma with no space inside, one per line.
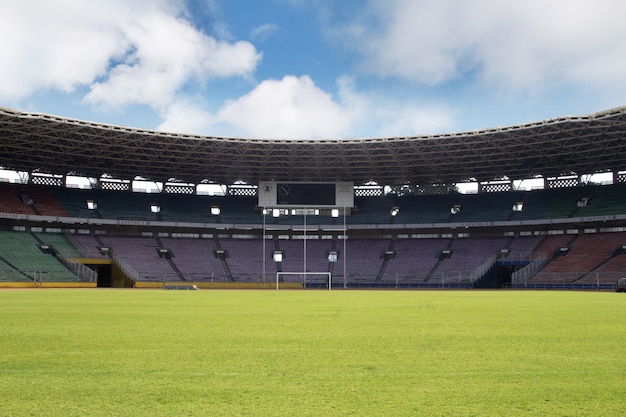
(312,353)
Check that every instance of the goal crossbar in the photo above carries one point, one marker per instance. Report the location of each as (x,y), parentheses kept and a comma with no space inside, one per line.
(328,274)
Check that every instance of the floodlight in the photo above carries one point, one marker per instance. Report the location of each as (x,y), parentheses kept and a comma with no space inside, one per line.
(155,208)
(332,256)
(46,248)
(277,256)
(164,253)
(104,250)
(215,211)
(395,211)
(221,254)
(334,213)
(91,205)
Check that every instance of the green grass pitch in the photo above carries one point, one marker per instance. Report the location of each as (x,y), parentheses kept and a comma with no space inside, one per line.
(71,352)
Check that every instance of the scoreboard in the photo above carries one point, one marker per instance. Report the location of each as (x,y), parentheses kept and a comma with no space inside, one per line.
(301,194)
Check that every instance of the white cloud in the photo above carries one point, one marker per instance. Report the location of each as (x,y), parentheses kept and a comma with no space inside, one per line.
(126,52)
(57,45)
(512,43)
(384,115)
(263,32)
(187,115)
(295,108)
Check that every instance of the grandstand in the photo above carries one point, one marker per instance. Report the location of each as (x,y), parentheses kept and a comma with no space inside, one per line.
(396,218)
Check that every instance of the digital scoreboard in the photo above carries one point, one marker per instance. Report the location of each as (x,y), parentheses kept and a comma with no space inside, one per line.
(301,194)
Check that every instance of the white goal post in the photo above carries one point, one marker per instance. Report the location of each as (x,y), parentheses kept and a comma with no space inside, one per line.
(304,274)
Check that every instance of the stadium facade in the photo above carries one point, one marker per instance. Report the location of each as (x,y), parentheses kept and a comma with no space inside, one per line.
(380,212)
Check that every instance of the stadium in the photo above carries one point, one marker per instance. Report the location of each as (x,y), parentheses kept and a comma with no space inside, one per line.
(410,233)
(358,213)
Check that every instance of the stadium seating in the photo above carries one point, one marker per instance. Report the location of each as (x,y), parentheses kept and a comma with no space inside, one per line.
(414,260)
(195,258)
(11,200)
(123,205)
(126,205)
(74,202)
(21,252)
(245,258)
(585,253)
(589,258)
(141,254)
(604,200)
(466,255)
(423,209)
(485,207)
(45,201)
(363,259)
(316,255)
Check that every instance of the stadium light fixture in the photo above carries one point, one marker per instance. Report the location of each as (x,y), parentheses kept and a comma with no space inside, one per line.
(395,211)
(155,208)
(332,256)
(104,250)
(221,254)
(334,213)
(215,211)
(164,253)
(47,249)
(277,255)
(91,205)
(276,213)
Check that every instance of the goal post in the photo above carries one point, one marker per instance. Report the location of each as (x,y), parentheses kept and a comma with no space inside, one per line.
(303,276)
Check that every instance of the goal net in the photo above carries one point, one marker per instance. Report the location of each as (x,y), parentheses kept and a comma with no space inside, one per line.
(306,279)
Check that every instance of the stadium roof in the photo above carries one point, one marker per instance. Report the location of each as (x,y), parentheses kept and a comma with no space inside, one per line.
(34,142)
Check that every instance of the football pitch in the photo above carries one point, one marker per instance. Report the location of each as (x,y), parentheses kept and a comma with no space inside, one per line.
(99,352)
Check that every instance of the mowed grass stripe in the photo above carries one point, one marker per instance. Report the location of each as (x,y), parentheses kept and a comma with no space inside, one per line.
(311,353)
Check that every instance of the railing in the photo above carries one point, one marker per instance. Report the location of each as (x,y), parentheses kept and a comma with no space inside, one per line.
(286,227)
(522,275)
(16,276)
(126,269)
(565,286)
(515,257)
(570,278)
(39,276)
(82,272)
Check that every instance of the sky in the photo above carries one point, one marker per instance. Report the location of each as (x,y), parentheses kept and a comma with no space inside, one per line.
(313,69)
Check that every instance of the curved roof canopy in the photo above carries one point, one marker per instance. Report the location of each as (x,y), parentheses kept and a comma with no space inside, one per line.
(35,142)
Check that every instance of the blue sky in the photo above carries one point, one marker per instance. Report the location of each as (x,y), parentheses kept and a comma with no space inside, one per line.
(313,69)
